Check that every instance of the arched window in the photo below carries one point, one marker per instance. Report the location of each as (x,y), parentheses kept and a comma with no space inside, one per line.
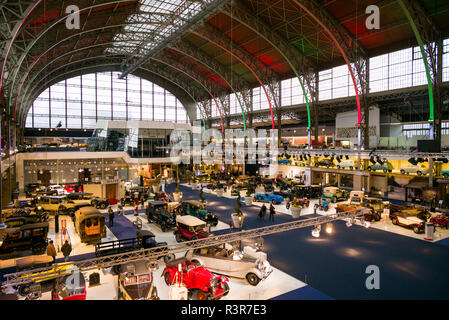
(79,102)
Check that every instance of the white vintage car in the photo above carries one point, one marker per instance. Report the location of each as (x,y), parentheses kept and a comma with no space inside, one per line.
(225,259)
(414,169)
(351,164)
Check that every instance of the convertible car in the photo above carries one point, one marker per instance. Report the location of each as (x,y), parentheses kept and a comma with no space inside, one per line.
(268,197)
(225,259)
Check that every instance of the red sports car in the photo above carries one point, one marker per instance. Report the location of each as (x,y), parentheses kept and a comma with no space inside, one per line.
(201,283)
(440,221)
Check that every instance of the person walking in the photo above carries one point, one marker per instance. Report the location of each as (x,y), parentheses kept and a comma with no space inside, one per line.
(121,211)
(142,202)
(66,250)
(136,210)
(51,251)
(262,212)
(272,212)
(111,216)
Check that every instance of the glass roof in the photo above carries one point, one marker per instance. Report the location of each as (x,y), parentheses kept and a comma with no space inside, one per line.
(155,21)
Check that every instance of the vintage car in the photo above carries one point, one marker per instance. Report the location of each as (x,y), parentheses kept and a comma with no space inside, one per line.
(376,204)
(98,202)
(385,167)
(200,282)
(408,219)
(129,200)
(334,194)
(136,281)
(190,228)
(31,236)
(224,259)
(419,170)
(324,163)
(369,214)
(31,189)
(70,287)
(350,164)
(162,196)
(90,224)
(13,222)
(80,197)
(58,204)
(197,209)
(158,212)
(307,191)
(144,239)
(440,221)
(268,187)
(268,197)
(418,211)
(356,197)
(284,161)
(286,194)
(138,192)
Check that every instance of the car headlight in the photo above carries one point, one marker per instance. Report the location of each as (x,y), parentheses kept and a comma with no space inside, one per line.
(39,208)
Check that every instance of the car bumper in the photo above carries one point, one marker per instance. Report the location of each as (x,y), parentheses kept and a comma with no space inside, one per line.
(219,293)
(266,273)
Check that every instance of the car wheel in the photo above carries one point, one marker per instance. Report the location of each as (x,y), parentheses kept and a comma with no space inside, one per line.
(419,173)
(326,208)
(338,167)
(167,278)
(178,237)
(163,227)
(103,205)
(385,170)
(196,262)
(259,198)
(273,201)
(377,217)
(200,295)
(334,200)
(416,230)
(351,168)
(24,289)
(402,171)
(168,258)
(369,168)
(394,221)
(193,238)
(252,279)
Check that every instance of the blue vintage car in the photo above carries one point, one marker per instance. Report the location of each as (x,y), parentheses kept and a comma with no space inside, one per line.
(284,161)
(269,197)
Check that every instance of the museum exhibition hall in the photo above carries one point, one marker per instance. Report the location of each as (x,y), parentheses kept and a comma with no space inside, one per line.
(246,150)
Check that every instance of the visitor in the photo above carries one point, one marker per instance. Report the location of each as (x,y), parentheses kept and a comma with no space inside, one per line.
(121,211)
(262,212)
(111,216)
(51,251)
(272,212)
(66,250)
(142,202)
(136,211)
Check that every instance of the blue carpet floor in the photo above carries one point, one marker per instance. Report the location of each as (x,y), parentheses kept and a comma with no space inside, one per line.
(304,293)
(335,264)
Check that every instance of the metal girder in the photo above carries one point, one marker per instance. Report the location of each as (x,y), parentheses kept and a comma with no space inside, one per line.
(46,273)
(180,28)
(211,88)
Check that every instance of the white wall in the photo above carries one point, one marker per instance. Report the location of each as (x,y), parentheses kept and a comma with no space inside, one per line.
(348,120)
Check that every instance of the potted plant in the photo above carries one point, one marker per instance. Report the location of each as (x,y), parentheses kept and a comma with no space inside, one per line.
(249,192)
(237,216)
(219,189)
(296,206)
(177,195)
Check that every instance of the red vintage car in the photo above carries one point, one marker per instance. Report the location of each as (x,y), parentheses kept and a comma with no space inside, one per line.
(70,287)
(190,228)
(200,282)
(440,221)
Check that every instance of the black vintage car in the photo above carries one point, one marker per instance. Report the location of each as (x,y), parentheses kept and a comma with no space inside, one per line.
(99,202)
(144,240)
(307,191)
(23,238)
(158,213)
(197,209)
(324,163)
